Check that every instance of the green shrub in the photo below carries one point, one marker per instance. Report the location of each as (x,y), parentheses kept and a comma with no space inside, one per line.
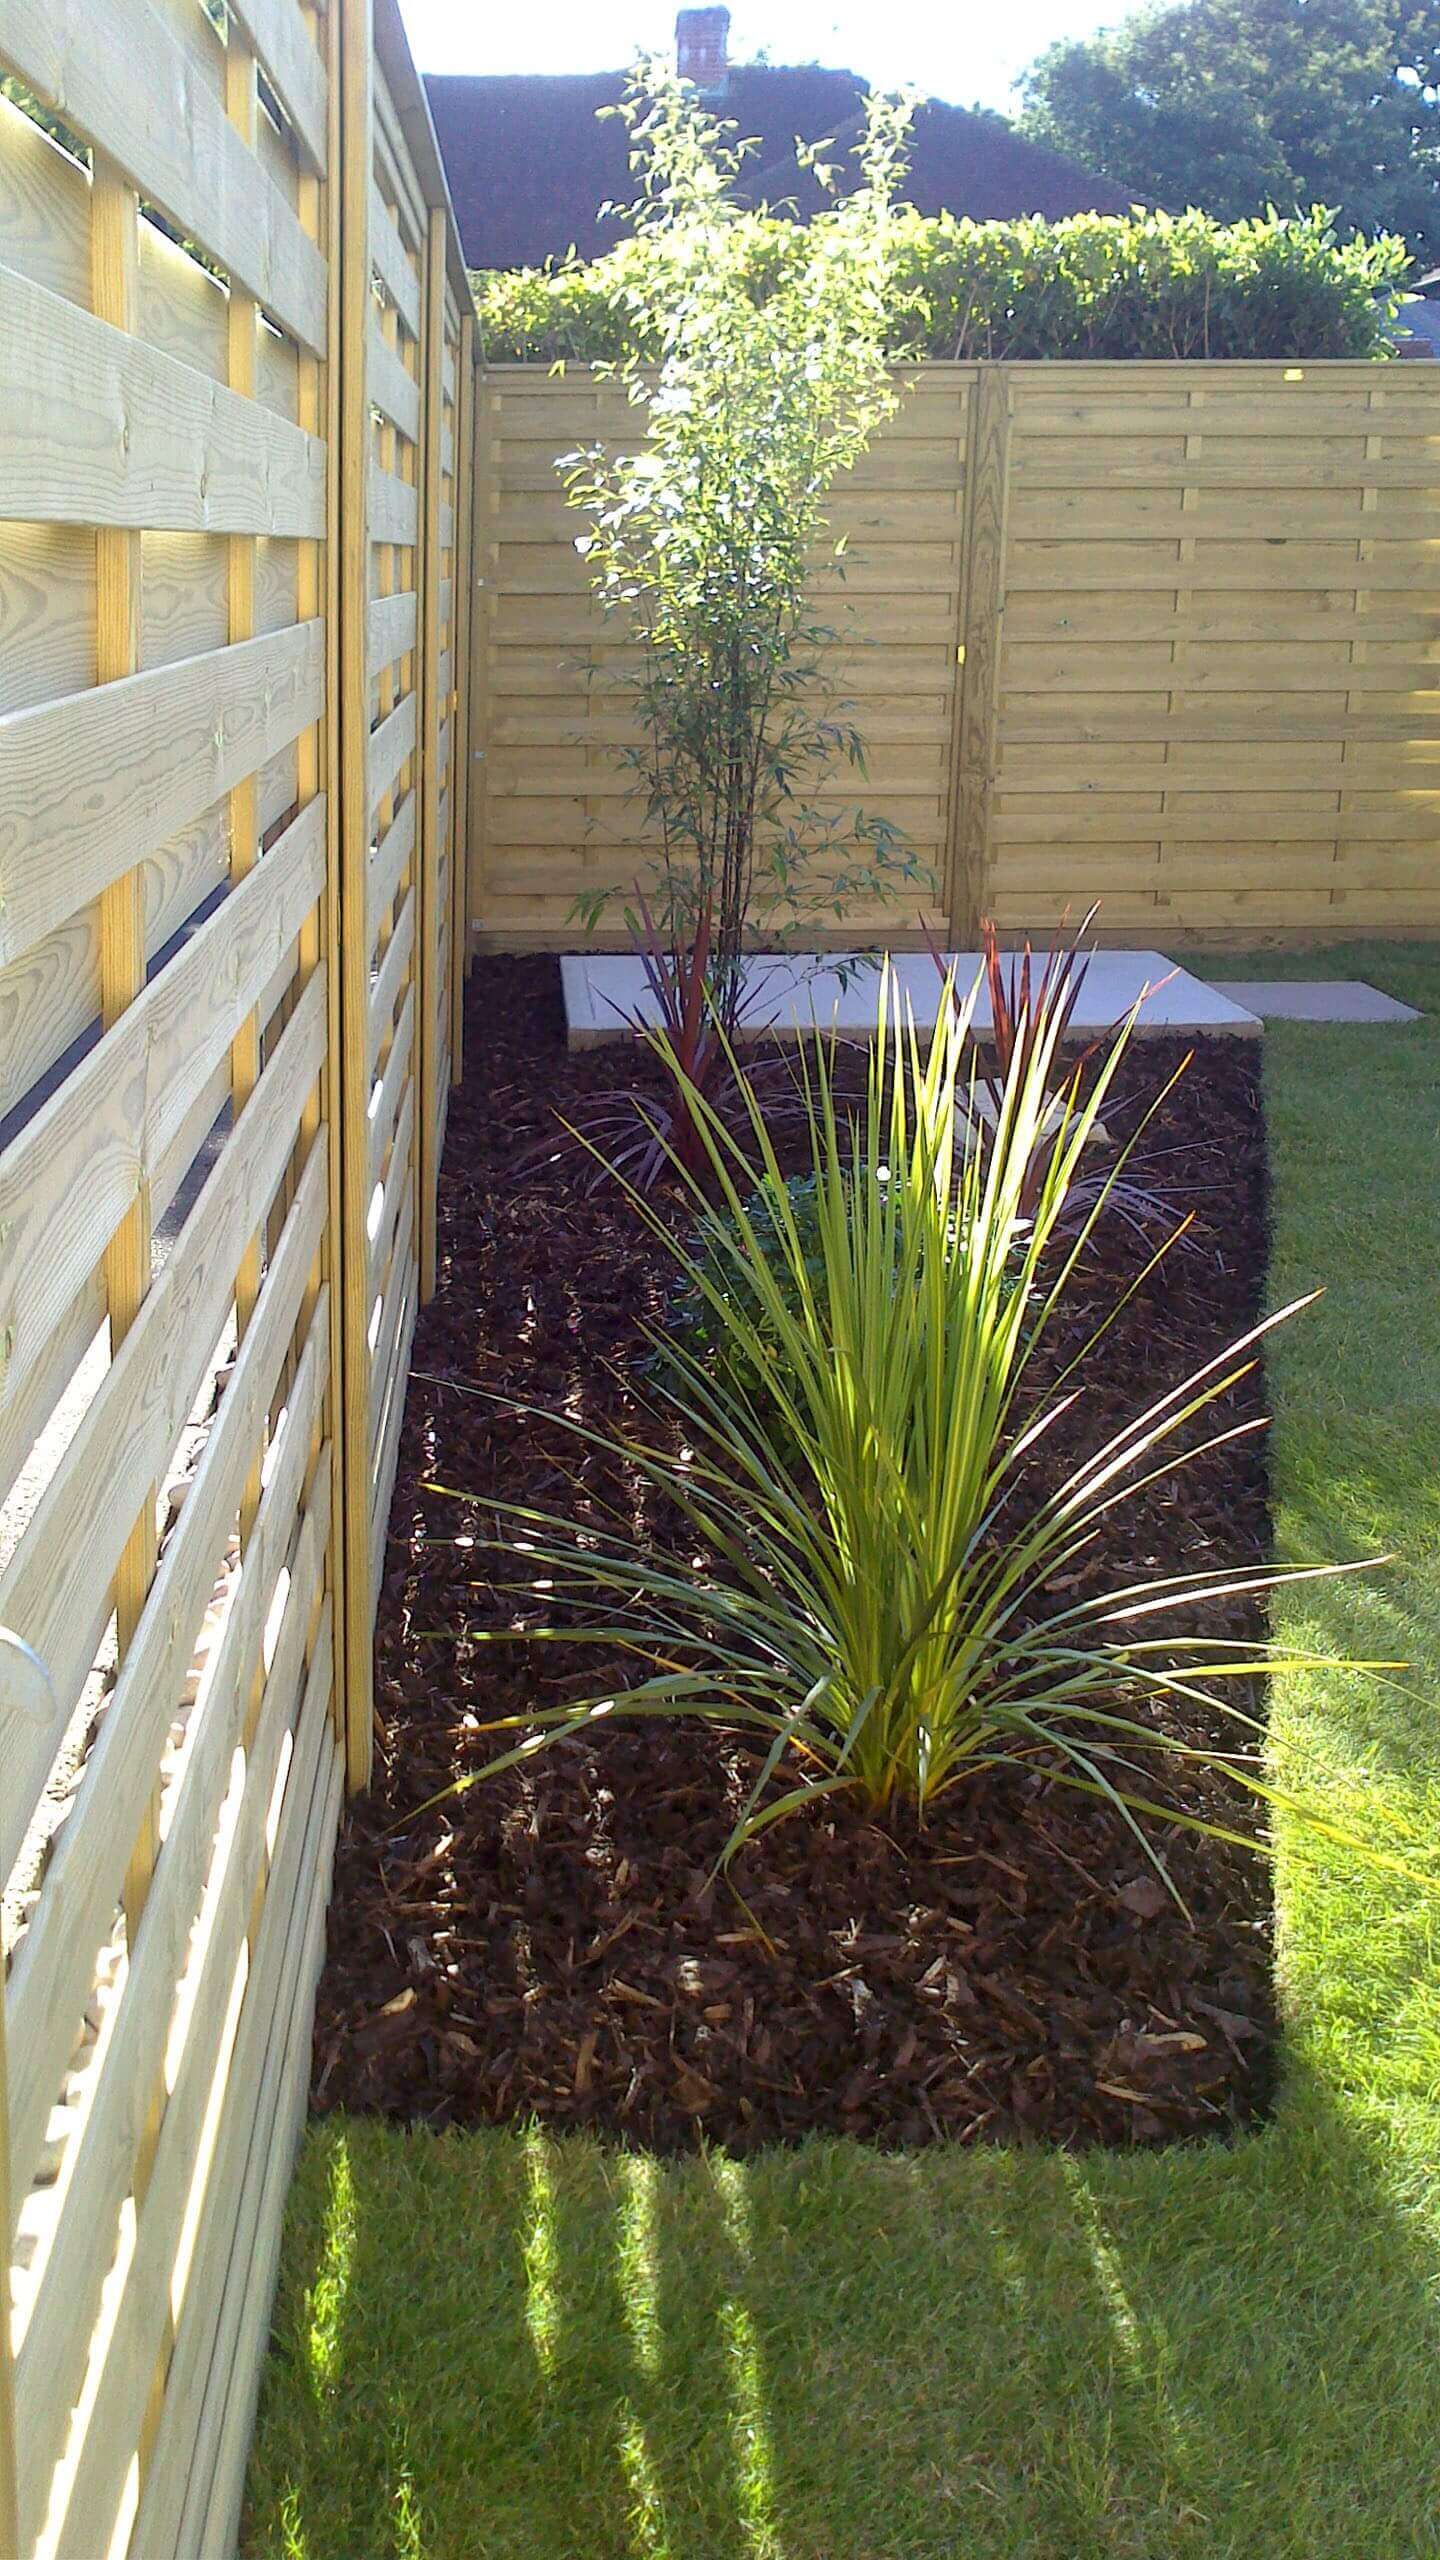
(789,1240)
(1147,285)
(856,1575)
(700,530)
(791,1247)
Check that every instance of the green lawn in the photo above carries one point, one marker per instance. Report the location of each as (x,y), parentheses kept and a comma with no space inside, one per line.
(502,2347)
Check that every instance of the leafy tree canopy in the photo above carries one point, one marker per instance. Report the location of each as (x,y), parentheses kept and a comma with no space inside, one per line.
(1239,104)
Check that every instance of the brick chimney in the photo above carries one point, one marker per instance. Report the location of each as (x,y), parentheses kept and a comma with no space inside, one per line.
(702,47)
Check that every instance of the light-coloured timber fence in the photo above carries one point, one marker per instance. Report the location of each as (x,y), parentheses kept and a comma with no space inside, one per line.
(235,404)
(1165,635)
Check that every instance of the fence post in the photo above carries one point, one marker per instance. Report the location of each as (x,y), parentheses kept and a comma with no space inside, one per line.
(352,723)
(978,675)
(477,616)
(431,994)
(461,577)
(319,588)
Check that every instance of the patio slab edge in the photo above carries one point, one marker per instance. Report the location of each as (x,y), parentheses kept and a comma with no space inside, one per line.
(605,995)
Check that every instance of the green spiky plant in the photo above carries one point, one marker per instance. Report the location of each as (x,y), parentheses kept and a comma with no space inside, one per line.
(891,1614)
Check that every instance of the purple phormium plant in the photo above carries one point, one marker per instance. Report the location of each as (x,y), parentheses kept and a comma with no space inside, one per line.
(1023,1007)
(1031,1009)
(631,1132)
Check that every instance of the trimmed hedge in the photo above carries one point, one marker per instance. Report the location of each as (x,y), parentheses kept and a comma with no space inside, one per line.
(1096,285)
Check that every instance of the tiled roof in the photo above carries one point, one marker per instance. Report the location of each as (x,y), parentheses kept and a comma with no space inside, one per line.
(529,165)
(1420,319)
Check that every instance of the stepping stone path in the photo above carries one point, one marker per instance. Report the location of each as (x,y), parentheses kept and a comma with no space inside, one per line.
(1318,1000)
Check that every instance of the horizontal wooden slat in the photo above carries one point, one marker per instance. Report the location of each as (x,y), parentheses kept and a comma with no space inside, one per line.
(52,2356)
(390,976)
(293,67)
(388,1256)
(386,864)
(387,1456)
(92,1851)
(91,784)
(386,1099)
(114,72)
(61,1571)
(1087,719)
(397,176)
(387,749)
(44,206)
(1220,818)
(97,428)
(1228,669)
(393,267)
(70,1177)
(391,628)
(46,1001)
(1217,565)
(72,1341)
(394,508)
(392,390)
(577,779)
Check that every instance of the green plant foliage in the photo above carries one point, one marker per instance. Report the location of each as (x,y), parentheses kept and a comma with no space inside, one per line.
(699,542)
(1154,285)
(615,2355)
(862,1581)
(792,1247)
(790,1243)
(1243,104)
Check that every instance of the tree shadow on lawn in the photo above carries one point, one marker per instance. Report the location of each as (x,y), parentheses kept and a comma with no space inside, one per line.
(498,2344)
(494,2345)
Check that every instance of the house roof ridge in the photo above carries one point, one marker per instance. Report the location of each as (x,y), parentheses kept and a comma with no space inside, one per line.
(529,162)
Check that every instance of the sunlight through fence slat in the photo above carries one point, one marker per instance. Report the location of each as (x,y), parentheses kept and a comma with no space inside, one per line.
(233,411)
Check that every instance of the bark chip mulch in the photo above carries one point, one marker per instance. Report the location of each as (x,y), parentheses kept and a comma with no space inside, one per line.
(551,1946)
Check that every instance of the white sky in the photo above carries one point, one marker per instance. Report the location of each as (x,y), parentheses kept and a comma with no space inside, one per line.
(963,50)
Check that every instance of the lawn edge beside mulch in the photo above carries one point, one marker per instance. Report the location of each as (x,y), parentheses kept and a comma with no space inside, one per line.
(565,1941)
(1219,2350)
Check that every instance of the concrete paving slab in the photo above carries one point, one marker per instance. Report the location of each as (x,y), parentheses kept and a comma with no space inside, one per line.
(605,993)
(1319,1000)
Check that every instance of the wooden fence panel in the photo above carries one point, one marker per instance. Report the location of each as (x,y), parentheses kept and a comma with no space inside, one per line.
(225,1044)
(396,780)
(1220,670)
(167,845)
(1160,635)
(554,820)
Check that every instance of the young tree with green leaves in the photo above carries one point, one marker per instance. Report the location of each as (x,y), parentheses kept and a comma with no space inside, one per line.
(702,538)
(1234,105)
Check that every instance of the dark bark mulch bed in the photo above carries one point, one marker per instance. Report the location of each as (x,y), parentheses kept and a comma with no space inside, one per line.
(549,1944)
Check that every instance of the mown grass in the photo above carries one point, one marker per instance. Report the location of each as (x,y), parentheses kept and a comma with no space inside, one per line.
(490,2346)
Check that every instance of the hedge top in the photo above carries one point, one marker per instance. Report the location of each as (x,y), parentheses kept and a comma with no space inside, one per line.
(1143,285)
